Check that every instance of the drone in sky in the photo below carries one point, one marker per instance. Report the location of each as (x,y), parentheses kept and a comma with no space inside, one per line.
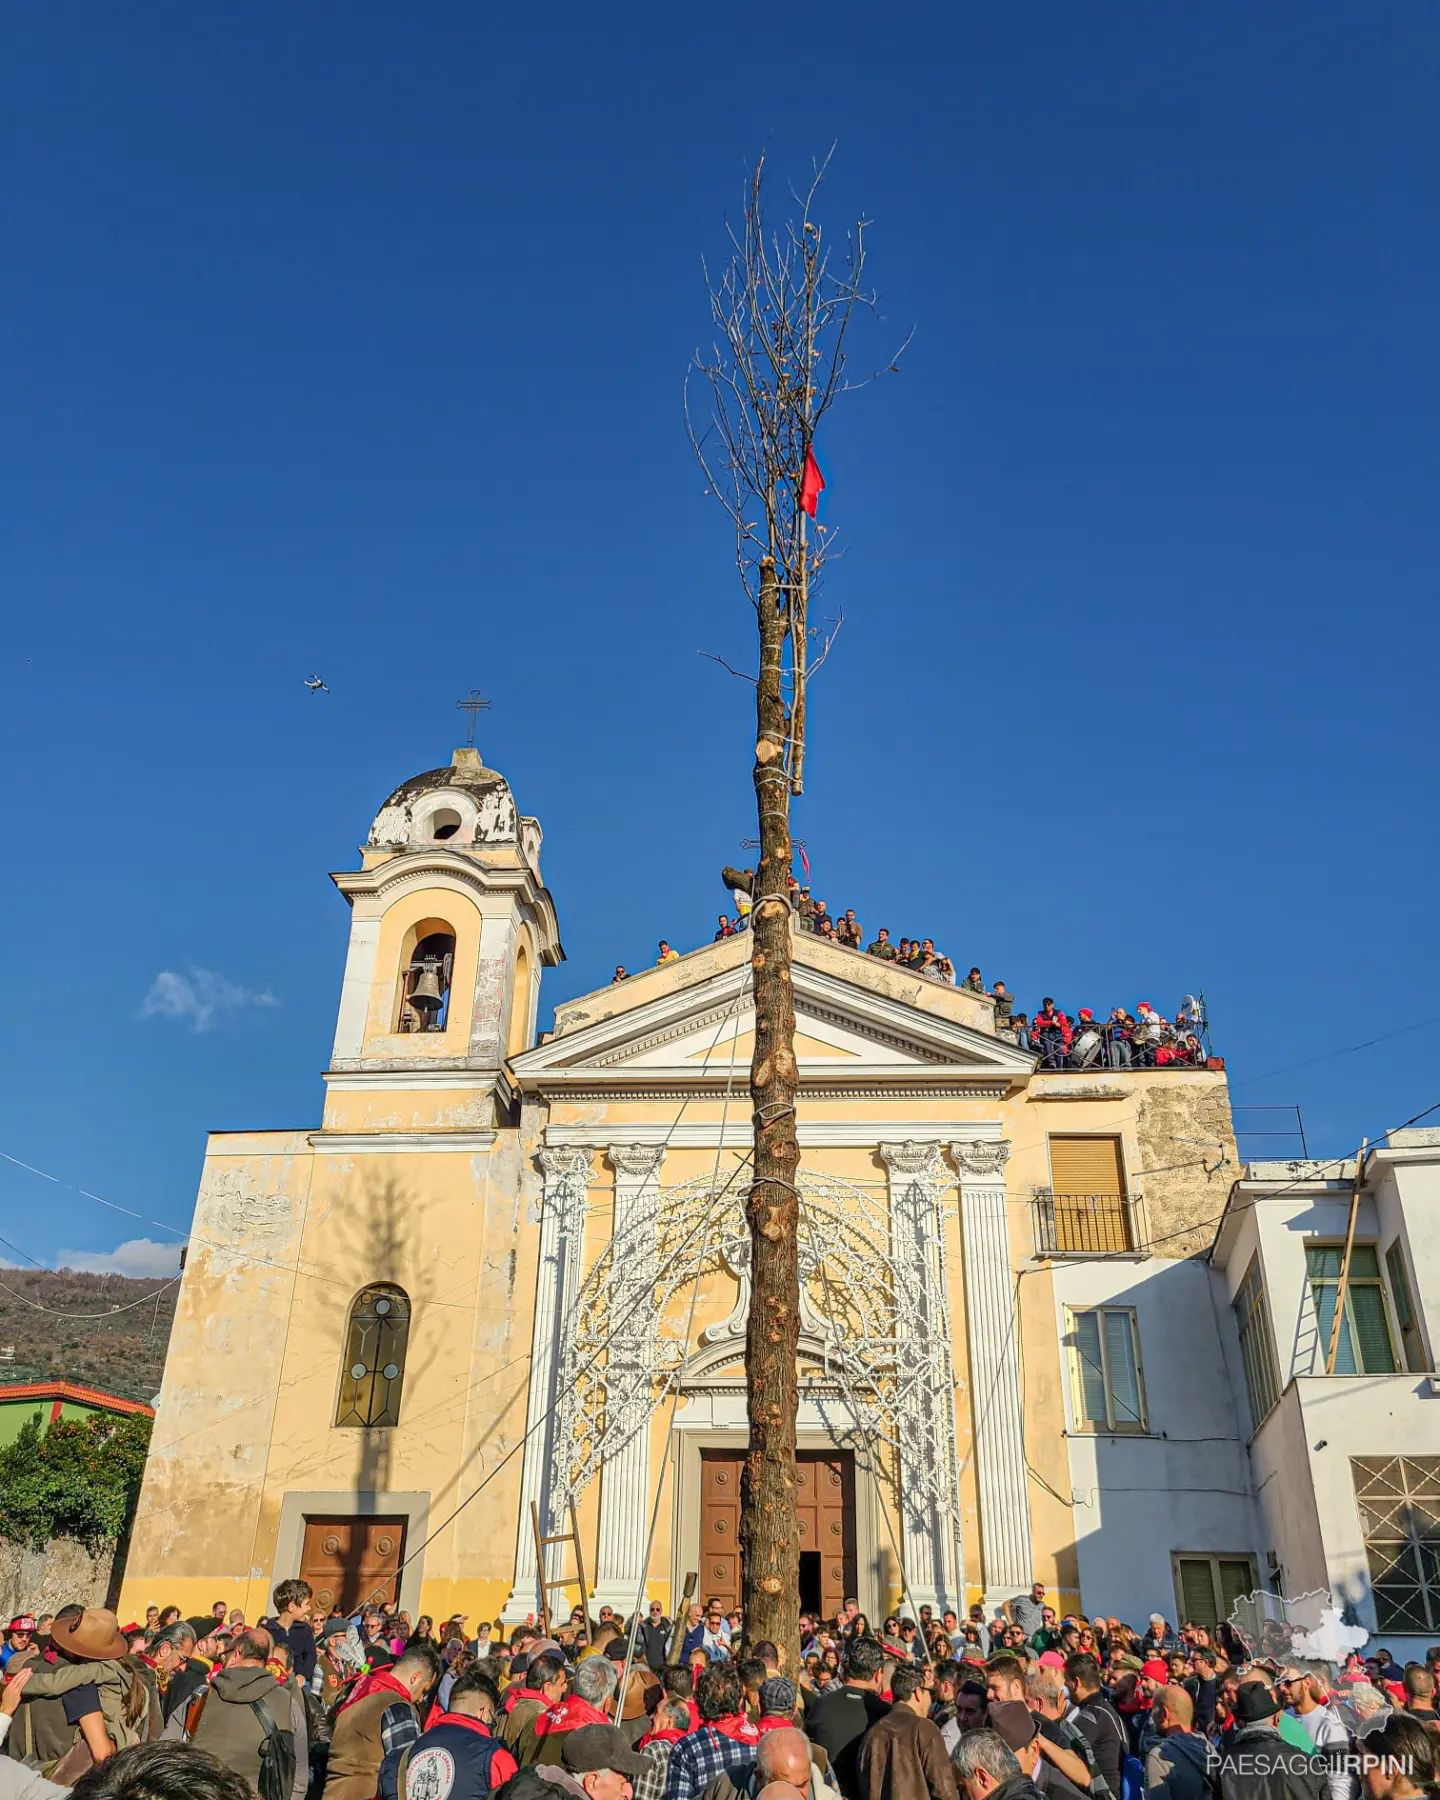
(316,685)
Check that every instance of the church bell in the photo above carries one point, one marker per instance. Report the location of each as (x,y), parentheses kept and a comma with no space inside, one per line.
(426,994)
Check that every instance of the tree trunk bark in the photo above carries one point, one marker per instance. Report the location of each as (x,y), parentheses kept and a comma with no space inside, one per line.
(769,1533)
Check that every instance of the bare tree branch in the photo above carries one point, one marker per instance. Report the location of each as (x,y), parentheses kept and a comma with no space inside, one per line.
(782,307)
(740,674)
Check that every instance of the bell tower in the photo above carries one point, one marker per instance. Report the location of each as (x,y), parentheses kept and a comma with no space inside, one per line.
(450,927)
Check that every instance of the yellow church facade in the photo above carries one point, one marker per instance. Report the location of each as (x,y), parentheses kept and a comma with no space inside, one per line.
(510,1267)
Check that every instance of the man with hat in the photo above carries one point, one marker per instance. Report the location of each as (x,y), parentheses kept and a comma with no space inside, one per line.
(19,1642)
(1063,1769)
(642,1690)
(1014,1721)
(987,1768)
(93,1672)
(1258,1764)
(595,1764)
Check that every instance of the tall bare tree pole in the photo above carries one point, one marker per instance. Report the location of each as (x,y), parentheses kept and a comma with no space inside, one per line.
(781,309)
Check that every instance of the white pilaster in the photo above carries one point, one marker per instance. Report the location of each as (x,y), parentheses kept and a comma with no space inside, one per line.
(355,986)
(996,1400)
(625,1499)
(929,1514)
(562,1230)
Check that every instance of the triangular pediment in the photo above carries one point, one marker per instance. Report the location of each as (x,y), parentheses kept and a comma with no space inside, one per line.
(668,1031)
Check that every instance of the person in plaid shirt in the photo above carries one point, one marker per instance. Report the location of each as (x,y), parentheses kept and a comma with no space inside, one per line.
(725,1741)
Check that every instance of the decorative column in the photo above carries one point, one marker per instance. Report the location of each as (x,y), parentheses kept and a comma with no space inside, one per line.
(625,1499)
(924,1373)
(996,1401)
(562,1231)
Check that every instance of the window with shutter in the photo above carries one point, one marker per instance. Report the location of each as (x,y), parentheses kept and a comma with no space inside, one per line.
(1105,1344)
(1257,1345)
(1197,1591)
(1086,1165)
(1210,1588)
(1410,1338)
(1237,1581)
(1086,1210)
(1364,1345)
(1122,1368)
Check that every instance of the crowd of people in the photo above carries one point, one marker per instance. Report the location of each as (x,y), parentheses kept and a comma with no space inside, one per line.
(1119,1039)
(371,1705)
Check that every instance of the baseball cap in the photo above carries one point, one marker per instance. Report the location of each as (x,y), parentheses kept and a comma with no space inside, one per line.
(22,1622)
(593,1747)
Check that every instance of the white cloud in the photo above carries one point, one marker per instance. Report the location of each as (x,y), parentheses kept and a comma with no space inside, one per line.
(136,1256)
(201,996)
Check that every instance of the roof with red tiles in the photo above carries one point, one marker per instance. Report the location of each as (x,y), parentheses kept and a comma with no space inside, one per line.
(72,1391)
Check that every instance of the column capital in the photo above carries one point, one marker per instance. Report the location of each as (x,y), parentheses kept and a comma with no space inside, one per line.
(639,1161)
(564,1165)
(909,1158)
(982,1158)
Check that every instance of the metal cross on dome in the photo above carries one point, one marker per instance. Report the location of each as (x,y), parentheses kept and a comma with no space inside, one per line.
(472,704)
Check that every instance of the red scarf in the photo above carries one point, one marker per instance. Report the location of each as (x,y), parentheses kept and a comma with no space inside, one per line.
(736,1727)
(570,1715)
(773,1722)
(378,1681)
(669,1735)
(470,1724)
(514,1695)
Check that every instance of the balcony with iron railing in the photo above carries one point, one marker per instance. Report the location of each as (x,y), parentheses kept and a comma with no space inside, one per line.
(1085,1224)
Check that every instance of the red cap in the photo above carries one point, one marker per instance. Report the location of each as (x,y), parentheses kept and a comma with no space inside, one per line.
(1085,1013)
(1155,1669)
(22,1622)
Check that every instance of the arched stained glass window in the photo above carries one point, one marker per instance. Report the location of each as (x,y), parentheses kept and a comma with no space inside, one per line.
(374,1370)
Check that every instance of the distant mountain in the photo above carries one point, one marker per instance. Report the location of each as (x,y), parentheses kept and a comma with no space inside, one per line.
(116,1344)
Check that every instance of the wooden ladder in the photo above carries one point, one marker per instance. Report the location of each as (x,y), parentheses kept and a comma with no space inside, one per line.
(547,1587)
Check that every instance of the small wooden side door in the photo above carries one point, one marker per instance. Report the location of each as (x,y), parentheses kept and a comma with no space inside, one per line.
(350,1560)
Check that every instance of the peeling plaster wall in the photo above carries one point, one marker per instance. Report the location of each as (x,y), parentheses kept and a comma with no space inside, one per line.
(200,1504)
(1183,1129)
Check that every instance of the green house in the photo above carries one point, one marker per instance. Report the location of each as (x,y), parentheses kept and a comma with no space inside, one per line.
(51,1400)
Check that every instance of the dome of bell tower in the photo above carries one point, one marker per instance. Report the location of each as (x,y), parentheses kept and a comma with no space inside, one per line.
(465,807)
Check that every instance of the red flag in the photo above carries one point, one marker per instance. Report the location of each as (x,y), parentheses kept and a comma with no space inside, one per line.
(812,483)
(804,860)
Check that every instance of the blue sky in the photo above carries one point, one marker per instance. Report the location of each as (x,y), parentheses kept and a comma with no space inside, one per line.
(350,339)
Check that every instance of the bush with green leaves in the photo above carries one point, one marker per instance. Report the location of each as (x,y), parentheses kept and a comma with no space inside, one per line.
(78,1479)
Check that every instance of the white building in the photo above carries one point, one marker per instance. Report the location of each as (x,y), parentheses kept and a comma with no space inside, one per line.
(1210,1452)
(1346,1466)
